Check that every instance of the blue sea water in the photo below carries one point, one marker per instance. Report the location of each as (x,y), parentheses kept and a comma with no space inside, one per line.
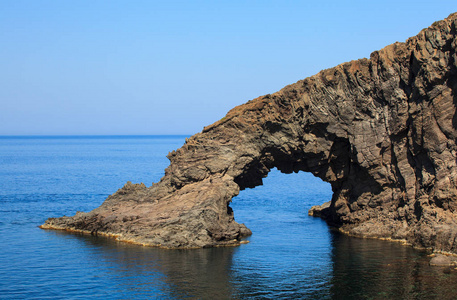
(290,255)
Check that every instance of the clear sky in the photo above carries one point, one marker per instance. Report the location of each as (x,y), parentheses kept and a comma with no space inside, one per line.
(171,67)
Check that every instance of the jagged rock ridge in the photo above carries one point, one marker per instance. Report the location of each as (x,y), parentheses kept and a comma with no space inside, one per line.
(381,131)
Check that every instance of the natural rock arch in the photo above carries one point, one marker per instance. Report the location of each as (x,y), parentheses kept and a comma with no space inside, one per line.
(381,131)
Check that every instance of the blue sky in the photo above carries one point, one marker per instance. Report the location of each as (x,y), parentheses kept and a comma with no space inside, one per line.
(171,67)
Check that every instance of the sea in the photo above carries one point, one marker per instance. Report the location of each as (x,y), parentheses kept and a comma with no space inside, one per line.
(290,255)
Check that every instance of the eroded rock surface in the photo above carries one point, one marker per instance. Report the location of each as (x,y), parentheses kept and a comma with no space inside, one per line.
(382,131)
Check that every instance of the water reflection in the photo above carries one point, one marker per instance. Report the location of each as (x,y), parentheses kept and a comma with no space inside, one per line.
(157,273)
(373,269)
(360,269)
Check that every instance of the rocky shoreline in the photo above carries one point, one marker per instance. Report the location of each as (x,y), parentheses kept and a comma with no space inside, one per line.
(382,131)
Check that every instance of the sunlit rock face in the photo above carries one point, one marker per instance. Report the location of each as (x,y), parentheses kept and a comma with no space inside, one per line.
(381,131)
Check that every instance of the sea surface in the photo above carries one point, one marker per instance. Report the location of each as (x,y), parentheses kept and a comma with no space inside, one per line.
(290,255)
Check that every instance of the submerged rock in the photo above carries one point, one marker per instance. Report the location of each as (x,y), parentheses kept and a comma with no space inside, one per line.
(441,261)
(381,131)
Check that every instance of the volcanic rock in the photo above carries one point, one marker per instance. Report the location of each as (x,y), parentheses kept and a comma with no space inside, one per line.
(381,131)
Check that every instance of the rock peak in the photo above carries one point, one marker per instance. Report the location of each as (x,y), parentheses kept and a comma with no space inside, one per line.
(381,131)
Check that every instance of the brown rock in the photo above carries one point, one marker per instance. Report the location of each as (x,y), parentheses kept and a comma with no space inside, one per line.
(320,211)
(382,131)
(441,260)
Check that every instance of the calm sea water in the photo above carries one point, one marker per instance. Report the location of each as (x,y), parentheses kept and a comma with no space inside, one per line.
(290,255)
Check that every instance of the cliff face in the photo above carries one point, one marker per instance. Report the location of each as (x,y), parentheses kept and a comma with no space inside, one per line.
(382,131)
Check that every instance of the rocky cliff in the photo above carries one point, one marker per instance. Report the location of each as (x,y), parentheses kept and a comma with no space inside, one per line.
(381,131)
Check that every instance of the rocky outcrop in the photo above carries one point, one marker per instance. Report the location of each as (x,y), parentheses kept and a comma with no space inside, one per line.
(381,131)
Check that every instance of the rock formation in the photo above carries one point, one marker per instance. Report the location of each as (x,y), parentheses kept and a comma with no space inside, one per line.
(381,131)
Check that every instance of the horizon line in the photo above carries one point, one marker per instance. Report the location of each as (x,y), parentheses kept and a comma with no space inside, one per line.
(90,135)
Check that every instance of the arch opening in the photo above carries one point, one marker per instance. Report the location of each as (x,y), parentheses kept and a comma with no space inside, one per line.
(281,204)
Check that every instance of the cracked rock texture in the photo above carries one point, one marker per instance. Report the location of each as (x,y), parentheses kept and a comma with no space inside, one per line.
(381,131)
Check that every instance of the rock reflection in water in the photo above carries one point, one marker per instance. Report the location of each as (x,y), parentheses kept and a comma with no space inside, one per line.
(361,269)
(375,269)
(145,272)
